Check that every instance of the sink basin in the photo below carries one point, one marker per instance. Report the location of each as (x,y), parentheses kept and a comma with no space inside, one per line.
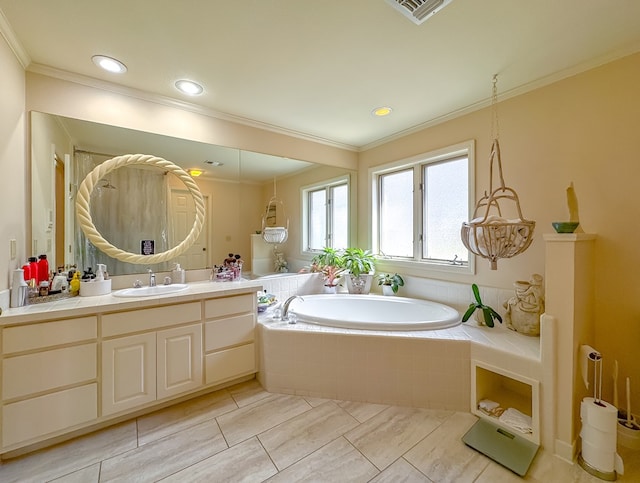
(151,291)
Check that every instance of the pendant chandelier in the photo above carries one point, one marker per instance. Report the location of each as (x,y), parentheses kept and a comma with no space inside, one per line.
(489,234)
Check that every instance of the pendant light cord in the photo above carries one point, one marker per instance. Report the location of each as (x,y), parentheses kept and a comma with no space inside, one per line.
(495,124)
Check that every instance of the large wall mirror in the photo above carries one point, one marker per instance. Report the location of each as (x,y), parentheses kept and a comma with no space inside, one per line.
(133,205)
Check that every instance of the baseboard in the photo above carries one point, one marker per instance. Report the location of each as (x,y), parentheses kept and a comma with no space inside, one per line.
(565,450)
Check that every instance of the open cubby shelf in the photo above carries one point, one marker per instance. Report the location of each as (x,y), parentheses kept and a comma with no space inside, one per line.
(510,391)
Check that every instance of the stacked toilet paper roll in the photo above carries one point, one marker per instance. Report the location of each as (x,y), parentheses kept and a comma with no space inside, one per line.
(599,431)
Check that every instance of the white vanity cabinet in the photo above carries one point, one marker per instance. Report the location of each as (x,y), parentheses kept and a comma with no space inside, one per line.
(229,330)
(141,368)
(65,371)
(49,378)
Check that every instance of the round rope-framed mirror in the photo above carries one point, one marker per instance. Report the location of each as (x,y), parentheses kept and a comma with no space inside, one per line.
(83,208)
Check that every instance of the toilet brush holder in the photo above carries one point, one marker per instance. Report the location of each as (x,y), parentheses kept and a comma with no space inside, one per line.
(629,433)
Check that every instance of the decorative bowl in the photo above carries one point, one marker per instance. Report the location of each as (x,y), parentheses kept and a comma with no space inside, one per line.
(565,226)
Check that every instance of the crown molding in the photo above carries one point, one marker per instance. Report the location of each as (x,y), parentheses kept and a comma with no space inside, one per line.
(14,44)
(178,104)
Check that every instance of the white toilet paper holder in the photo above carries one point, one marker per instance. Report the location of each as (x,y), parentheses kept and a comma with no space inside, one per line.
(589,461)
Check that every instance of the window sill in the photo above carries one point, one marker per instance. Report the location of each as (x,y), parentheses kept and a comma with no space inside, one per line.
(424,269)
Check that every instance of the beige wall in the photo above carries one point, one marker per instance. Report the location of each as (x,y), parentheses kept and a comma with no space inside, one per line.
(583,129)
(13,166)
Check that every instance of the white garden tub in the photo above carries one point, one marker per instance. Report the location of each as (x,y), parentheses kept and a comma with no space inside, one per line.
(374,312)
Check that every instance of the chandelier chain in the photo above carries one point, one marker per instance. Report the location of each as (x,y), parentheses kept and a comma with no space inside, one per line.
(495,124)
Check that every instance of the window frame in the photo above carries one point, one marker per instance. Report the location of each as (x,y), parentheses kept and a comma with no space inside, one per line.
(416,264)
(304,203)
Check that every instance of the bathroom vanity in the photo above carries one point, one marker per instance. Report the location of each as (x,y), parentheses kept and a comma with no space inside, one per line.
(77,364)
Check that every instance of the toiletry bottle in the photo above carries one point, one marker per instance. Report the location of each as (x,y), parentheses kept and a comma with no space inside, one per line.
(19,289)
(26,272)
(33,271)
(59,283)
(74,286)
(178,274)
(43,269)
(100,273)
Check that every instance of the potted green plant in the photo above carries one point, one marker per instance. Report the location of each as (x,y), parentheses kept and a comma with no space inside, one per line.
(488,314)
(390,283)
(329,262)
(328,256)
(360,265)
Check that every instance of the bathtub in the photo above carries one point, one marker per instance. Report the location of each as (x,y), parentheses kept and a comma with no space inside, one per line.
(374,312)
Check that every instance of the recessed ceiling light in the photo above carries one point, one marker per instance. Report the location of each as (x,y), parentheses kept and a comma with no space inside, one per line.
(189,87)
(109,64)
(195,172)
(382,111)
(213,163)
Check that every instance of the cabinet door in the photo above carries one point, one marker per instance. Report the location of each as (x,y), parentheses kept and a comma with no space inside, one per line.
(179,360)
(128,372)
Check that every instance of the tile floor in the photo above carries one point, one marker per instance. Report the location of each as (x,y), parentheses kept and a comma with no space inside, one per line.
(244,433)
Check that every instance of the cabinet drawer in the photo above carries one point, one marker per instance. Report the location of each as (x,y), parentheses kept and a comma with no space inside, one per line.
(227,332)
(42,371)
(149,319)
(229,305)
(228,364)
(48,334)
(42,415)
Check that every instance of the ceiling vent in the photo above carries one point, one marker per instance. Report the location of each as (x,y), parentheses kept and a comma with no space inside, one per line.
(418,10)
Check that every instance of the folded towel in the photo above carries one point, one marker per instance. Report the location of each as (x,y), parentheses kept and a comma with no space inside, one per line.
(488,405)
(517,420)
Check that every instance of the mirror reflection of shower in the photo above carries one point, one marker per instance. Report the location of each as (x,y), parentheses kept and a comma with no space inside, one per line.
(127,206)
(106,184)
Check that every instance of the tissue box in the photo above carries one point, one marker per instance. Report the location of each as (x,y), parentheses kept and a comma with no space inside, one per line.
(93,288)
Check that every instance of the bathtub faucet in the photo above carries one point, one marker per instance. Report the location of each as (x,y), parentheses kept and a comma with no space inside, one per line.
(285,306)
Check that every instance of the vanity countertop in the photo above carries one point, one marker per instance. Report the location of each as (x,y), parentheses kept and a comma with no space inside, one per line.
(80,306)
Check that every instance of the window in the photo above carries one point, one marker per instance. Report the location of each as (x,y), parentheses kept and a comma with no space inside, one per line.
(326,215)
(418,206)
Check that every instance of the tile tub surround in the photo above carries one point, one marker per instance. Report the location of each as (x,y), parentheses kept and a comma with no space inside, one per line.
(321,440)
(427,369)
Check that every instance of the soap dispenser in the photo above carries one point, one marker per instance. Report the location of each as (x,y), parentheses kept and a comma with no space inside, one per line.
(178,274)
(100,274)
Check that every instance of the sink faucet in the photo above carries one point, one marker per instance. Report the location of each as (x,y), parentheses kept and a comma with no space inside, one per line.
(285,306)
(152,278)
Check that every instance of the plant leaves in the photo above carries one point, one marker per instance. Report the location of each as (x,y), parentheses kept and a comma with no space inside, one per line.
(476,293)
(488,319)
(467,314)
(495,315)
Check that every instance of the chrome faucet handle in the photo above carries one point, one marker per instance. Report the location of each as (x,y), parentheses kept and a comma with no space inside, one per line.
(167,280)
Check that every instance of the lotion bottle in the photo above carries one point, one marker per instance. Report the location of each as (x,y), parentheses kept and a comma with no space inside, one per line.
(178,274)
(100,274)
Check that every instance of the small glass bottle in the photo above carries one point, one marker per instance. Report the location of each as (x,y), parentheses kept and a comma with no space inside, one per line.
(44,288)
